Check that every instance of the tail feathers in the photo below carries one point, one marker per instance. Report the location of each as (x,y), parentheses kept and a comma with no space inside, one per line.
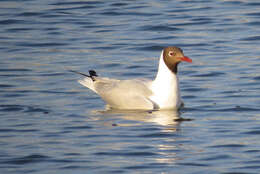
(87,82)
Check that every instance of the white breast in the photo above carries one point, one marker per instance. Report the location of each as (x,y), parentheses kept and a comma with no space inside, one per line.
(165,88)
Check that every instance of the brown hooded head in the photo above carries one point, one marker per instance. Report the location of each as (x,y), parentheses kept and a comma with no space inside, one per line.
(172,56)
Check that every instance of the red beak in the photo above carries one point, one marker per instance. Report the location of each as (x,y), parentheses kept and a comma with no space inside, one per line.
(186,59)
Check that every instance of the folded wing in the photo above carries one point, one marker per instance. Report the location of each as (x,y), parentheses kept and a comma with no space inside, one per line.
(122,94)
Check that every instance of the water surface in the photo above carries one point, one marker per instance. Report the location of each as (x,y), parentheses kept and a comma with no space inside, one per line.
(51,124)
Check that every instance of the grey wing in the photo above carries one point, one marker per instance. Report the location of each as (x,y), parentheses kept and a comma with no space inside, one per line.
(125,94)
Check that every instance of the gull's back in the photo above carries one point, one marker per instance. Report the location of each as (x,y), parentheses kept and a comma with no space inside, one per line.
(122,94)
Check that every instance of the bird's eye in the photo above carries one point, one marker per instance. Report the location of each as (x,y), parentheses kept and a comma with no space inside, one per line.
(171,53)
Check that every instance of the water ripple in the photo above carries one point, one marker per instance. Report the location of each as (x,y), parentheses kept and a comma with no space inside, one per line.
(136,154)
(34,158)
(158,28)
(14,108)
(252,38)
(49,123)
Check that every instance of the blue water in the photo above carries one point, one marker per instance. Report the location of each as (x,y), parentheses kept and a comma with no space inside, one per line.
(51,124)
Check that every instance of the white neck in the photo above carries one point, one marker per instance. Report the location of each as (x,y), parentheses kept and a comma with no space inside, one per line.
(165,87)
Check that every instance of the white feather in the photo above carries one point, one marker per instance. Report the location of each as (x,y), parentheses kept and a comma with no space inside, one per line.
(165,87)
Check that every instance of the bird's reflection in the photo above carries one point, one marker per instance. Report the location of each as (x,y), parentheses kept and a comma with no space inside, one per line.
(163,123)
(161,117)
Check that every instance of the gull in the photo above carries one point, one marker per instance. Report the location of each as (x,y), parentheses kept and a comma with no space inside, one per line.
(142,94)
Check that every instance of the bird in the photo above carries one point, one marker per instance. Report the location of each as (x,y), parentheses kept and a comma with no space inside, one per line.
(162,93)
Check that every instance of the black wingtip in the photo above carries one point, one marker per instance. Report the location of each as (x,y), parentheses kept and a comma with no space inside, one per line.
(92,74)
(80,73)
